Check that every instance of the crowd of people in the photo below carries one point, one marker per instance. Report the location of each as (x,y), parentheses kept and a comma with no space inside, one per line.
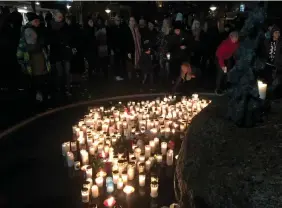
(51,50)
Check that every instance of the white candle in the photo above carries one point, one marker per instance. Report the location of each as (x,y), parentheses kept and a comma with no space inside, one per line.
(152,145)
(154,189)
(130,173)
(92,150)
(157,141)
(159,158)
(77,165)
(65,148)
(137,152)
(148,165)
(89,172)
(85,195)
(99,181)
(84,157)
(124,177)
(142,158)
(115,176)
(119,184)
(70,159)
(147,151)
(95,191)
(73,147)
(262,87)
(142,178)
(169,157)
(163,148)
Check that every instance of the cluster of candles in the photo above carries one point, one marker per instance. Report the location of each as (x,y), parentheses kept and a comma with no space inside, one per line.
(98,133)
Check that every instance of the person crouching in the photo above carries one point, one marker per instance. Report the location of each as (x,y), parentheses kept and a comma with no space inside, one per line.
(225,60)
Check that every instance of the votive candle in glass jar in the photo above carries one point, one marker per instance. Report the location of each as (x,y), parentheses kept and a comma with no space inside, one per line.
(169,157)
(152,145)
(100,148)
(154,189)
(95,191)
(89,172)
(115,176)
(137,152)
(148,165)
(157,141)
(85,195)
(124,177)
(141,167)
(73,147)
(77,165)
(130,172)
(142,158)
(147,151)
(110,187)
(92,150)
(99,181)
(70,159)
(142,178)
(84,157)
(163,148)
(159,158)
(120,184)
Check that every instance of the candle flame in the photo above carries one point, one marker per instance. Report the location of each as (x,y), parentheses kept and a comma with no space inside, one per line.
(128,189)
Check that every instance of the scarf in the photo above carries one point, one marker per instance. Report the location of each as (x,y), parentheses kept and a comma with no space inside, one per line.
(137,43)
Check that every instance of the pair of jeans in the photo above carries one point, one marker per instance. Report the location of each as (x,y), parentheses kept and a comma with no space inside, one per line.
(63,76)
(221,78)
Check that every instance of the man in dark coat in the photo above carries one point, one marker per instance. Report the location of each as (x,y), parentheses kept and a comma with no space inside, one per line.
(119,45)
(178,47)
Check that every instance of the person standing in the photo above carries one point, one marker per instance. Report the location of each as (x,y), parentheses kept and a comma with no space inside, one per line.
(32,56)
(90,46)
(102,34)
(119,39)
(225,60)
(61,52)
(134,49)
(178,48)
(273,69)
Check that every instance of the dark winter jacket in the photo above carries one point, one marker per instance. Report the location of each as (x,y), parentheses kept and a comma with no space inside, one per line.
(60,39)
(120,39)
(145,63)
(90,42)
(174,43)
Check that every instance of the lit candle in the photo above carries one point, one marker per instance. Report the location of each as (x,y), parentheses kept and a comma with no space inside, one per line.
(148,165)
(152,145)
(65,148)
(163,148)
(169,157)
(124,177)
(141,167)
(157,141)
(137,152)
(73,147)
(89,172)
(115,176)
(95,191)
(84,157)
(142,178)
(159,158)
(110,187)
(92,150)
(167,132)
(101,173)
(85,195)
(130,173)
(70,159)
(147,151)
(77,165)
(99,181)
(119,184)
(142,158)
(128,189)
(262,87)
(100,148)
(154,189)
(110,202)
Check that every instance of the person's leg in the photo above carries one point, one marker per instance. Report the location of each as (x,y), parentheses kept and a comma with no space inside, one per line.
(59,75)
(117,64)
(105,68)
(67,75)
(90,61)
(219,80)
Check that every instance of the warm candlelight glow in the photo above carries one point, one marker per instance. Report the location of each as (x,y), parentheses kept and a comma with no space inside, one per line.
(101,173)
(110,202)
(128,189)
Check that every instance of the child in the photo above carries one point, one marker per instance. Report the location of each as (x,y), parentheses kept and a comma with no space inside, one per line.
(186,74)
(146,64)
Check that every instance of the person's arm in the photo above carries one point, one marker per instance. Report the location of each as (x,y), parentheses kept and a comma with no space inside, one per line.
(219,54)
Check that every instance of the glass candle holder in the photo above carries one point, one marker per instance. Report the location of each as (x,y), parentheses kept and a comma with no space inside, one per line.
(152,145)
(147,151)
(85,195)
(154,189)
(115,176)
(141,167)
(159,158)
(77,165)
(110,187)
(142,178)
(142,158)
(89,172)
(65,148)
(124,177)
(95,191)
(84,157)
(70,159)
(99,181)
(163,148)
(148,165)
(73,147)
(169,157)
(120,184)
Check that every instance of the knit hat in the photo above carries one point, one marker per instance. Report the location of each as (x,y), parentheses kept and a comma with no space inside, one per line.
(179,17)
(31,16)
(274,29)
